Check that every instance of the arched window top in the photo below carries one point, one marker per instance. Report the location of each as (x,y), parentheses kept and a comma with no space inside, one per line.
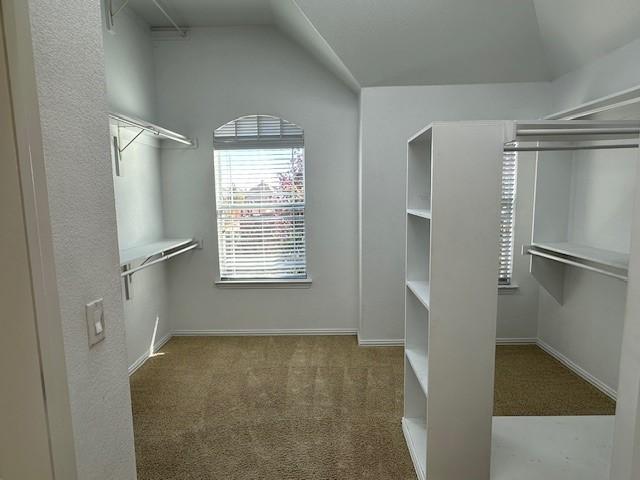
(260,200)
(253,131)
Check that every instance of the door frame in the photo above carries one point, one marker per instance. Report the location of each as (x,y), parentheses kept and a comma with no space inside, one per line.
(48,340)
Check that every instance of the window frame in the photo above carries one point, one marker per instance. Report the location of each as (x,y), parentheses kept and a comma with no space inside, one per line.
(262,282)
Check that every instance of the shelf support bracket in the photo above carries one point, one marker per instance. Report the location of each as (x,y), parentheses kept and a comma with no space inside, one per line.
(182,32)
(549,274)
(111,13)
(131,141)
(128,282)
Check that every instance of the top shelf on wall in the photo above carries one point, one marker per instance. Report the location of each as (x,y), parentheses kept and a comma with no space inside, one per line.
(556,135)
(149,128)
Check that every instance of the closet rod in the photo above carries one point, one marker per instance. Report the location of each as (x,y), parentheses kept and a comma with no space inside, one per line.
(538,132)
(543,148)
(154,129)
(127,273)
(576,264)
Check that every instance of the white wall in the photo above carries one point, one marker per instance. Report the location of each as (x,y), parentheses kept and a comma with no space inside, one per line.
(138,191)
(389,115)
(586,198)
(617,71)
(588,328)
(602,194)
(69,61)
(213,77)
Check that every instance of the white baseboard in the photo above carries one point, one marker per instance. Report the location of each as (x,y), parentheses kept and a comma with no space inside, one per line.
(399,342)
(570,364)
(516,341)
(380,342)
(267,332)
(578,370)
(145,356)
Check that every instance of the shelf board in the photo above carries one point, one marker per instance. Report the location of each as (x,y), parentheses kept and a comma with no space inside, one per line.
(419,212)
(418,361)
(549,261)
(415,433)
(142,252)
(421,290)
(150,128)
(607,258)
(423,135)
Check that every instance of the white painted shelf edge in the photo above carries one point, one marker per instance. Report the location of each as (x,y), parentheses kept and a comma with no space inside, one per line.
(421,135)
(419,212)
(415,434)
(419,364)
(150,128)
(608,258)
(421,290)
(142,252)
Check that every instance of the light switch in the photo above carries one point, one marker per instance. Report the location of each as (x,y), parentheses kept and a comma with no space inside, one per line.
(95,321)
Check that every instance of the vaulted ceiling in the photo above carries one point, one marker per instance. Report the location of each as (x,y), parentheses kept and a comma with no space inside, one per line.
(427,42)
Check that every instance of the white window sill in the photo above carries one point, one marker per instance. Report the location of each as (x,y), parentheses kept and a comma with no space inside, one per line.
(293,283)
(508,289)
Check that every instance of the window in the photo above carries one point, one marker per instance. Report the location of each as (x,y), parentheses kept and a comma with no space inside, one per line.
(260,199)
(507,214)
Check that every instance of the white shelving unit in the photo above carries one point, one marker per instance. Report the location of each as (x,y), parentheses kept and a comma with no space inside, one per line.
(586,177)
(453,185)
(578,223)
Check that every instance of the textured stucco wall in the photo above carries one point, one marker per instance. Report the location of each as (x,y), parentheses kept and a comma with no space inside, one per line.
(68,55)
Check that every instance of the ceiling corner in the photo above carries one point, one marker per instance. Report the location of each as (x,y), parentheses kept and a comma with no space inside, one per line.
(292,21)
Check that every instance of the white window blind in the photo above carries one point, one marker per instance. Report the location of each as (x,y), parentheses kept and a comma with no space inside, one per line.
(507,215)
(260,199)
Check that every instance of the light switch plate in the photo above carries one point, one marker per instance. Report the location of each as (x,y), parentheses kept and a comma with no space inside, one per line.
(95,321)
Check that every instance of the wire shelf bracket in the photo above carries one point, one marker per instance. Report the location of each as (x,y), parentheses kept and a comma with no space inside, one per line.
(112,11)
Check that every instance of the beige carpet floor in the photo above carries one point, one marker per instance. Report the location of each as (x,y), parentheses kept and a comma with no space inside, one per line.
(529,382)
(306,408)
